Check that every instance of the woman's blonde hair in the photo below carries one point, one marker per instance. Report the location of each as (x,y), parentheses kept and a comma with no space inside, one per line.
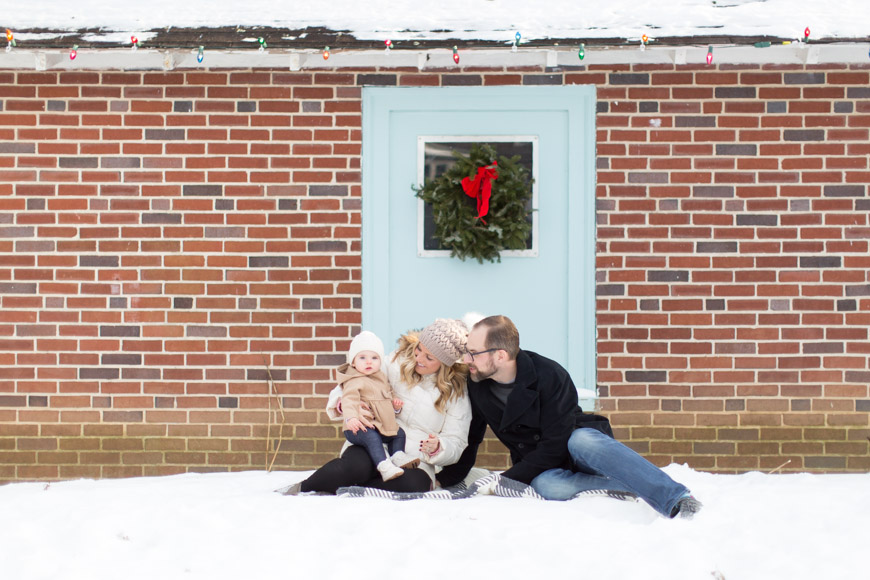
(449,380)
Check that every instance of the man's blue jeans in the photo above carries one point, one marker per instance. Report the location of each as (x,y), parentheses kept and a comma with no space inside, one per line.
(601,462)
(374,442)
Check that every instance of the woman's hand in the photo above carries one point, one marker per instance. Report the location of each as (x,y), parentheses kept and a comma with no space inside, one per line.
(398,404)
(430,446)
(353,425)
(362,406)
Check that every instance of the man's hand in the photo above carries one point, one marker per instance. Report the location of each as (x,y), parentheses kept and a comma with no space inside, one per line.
(486,485)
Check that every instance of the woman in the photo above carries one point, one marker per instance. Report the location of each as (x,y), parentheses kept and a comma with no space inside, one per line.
(425,373)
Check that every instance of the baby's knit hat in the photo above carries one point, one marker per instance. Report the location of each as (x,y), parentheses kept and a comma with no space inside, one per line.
(365,340)
(446,339)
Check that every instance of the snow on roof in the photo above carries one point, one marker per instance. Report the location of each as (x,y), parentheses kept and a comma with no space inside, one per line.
(456,20)
(294,34)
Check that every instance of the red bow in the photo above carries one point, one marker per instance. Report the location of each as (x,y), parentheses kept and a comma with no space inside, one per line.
(480,187)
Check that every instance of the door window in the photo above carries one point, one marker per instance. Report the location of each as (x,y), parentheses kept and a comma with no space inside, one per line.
(435,155)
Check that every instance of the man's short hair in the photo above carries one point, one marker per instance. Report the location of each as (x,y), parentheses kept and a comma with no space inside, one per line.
(501,333)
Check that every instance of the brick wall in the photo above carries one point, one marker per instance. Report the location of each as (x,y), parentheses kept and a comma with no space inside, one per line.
(167,239)
(734,298)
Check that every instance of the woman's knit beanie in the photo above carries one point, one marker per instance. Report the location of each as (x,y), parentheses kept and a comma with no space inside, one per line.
(365,340)
(445,339)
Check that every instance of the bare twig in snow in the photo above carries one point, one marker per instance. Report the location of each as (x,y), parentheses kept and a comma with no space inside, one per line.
(273,391)
(778,468)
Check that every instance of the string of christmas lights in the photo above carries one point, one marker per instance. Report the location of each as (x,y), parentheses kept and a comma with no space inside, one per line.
(388,46)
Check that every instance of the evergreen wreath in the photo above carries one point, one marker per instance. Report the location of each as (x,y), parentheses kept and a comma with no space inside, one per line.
(458,226)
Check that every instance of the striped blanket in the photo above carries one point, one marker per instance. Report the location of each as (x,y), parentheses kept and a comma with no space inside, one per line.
(492,484)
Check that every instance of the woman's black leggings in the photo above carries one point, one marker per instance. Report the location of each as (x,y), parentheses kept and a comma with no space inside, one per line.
(355,467)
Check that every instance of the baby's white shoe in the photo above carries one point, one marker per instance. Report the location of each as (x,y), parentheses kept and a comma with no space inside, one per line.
(388,470)
(402,459)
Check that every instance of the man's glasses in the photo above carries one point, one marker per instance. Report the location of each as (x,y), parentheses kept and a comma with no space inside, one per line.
(474,354)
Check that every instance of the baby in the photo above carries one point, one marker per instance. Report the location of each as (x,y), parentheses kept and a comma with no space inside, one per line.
(363,383)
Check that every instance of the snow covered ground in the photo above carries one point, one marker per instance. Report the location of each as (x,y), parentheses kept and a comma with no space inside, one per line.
(233,526)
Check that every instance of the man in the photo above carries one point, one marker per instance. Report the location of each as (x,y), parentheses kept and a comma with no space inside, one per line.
(530,403)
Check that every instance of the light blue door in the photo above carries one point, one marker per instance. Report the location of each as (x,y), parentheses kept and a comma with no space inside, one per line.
(549,292)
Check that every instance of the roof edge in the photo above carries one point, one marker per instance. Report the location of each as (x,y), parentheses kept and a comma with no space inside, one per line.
(432,59)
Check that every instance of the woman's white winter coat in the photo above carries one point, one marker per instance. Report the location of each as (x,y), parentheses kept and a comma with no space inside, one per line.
(419,418)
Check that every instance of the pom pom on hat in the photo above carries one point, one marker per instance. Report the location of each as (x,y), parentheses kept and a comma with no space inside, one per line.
(445,339)
(472,318)
(365,340)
